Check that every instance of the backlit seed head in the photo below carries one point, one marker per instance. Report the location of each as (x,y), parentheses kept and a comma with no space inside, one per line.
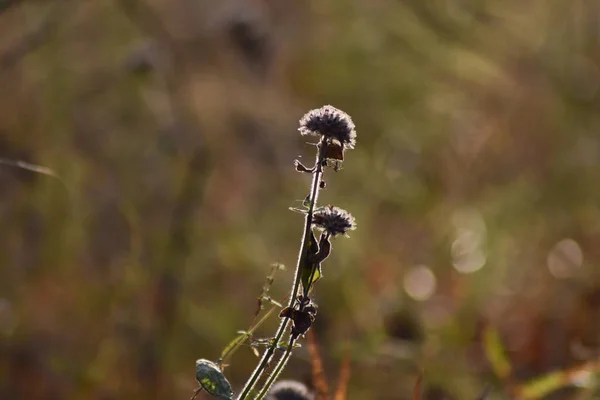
(289,390)
(333,124)
(333,221)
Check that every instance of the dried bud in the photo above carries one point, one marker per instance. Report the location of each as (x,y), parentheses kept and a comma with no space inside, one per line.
(301,322)
(333,221)
(286,312)
(303,317)
(289,390)
(333,124)
(335,152)
(311,309)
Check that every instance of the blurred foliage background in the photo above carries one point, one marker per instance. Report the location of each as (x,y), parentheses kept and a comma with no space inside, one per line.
(171,129)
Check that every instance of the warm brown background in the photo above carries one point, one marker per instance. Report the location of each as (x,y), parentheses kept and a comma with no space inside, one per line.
(172,127)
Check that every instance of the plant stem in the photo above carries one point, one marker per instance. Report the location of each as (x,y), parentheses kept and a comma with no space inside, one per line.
(288,352)
(279,367)
(314,193)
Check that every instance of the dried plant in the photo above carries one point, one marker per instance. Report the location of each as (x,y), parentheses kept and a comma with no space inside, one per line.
(336,133)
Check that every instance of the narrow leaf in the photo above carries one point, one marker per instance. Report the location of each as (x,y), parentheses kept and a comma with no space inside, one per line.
(495,353)
(234,343)
(310,272)
(540,387)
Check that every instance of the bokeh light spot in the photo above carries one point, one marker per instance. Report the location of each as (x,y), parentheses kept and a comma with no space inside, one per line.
(564,258)
(468,249)
(470,262)
(420,283)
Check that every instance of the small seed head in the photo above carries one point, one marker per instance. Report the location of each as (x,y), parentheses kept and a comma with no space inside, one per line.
(333,221)
(289,390)
(333,124)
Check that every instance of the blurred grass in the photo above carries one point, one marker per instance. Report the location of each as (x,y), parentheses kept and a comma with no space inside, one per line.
(173,127)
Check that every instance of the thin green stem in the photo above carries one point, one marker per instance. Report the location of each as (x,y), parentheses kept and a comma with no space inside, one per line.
(288,352)
(242,338)
(279,367)
(314,193)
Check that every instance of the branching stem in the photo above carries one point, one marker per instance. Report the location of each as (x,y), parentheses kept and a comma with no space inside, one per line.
(302,260)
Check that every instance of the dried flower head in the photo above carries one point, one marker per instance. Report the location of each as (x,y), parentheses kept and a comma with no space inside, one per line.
(289,390)
(333,220)
(331,123)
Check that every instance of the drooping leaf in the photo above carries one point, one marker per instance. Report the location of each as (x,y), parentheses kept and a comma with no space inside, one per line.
(212,379)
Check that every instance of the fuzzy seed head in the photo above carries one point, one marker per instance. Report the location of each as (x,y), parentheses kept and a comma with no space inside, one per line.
(333,221)
(333,124)
(289,390)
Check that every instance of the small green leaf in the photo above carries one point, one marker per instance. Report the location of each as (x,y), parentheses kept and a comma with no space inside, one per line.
(212,379)
(317,274)
(310,269)
(306,202)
